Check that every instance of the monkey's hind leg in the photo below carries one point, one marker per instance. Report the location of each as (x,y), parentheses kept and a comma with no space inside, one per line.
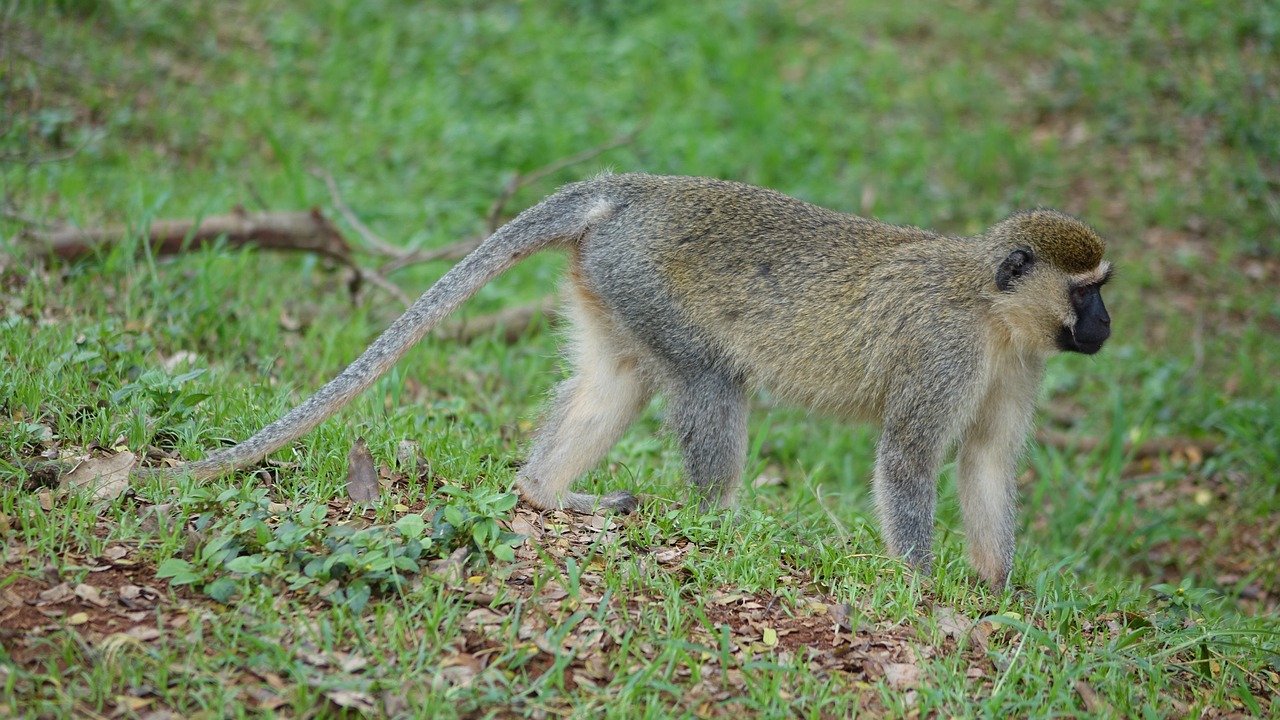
(707,413)
(590,411)
(905,486)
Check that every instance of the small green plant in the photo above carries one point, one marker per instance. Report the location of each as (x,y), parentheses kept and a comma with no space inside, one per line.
(25,436)
(298,550)
(104,348)
(164,395)
(475,514)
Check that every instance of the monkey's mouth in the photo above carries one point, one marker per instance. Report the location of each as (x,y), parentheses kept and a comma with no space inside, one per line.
(1083,343)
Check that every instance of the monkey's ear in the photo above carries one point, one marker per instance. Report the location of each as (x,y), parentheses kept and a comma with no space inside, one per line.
(1015,266)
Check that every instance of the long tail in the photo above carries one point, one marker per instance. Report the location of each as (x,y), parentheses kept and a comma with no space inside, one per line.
(561,218)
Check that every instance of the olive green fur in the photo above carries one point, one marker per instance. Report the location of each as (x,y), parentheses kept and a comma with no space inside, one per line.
(1057,237)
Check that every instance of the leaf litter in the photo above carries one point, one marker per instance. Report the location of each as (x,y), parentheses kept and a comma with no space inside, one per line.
(529,624)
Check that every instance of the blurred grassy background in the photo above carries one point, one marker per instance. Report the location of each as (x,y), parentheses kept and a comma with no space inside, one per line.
(1159,122)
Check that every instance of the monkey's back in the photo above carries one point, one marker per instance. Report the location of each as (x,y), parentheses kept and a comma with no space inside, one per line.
(703,273)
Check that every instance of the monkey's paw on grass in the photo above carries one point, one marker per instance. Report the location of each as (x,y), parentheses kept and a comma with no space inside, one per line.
(621,502)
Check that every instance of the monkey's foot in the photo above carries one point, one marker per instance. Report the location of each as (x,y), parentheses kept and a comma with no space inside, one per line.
(621,502)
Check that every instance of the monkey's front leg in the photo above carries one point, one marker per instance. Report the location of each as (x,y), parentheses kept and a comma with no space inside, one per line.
(905,486)
(986,481)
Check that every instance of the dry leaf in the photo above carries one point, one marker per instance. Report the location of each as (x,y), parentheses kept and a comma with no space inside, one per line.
(90,594)
(1092,703)
(351,663)
(56,594)
(115,552)
(105,477)
(600,523)
(980,635)
(288,322)
(485,616)
(362,478)
(452,568)
(143,633)
(520,524)
(409,458)
(951,623)
(362,702)
(264,698)
(395,704)
(842,616)
(667,556)
(901,676)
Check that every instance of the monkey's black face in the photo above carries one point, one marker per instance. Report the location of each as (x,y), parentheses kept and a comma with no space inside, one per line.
(1093,324)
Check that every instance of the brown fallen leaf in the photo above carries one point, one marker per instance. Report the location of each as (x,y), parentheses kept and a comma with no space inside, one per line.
(951,623)
(143,633)
(842,615)
(90,594)
(522,525)
(901,676)
(350,662)
(395,704)
(115,552)
(452,568)
(264,698)
(409,459)
(667,556)
(361,702)
(105,477)
(362,478)
(1092,703)
(454,675)
(56,594)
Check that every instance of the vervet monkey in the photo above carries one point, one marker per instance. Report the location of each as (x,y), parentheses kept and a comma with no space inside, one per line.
(703,289)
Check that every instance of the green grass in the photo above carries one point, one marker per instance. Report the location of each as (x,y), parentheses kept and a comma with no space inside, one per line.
(1145,583)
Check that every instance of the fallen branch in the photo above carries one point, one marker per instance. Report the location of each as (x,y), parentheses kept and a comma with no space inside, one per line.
(312,232)
(305,231)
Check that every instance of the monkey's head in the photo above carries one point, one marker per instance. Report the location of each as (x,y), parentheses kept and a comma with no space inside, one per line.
(1049,281)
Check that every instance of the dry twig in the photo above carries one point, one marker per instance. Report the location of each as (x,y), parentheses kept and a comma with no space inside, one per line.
(306,231)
